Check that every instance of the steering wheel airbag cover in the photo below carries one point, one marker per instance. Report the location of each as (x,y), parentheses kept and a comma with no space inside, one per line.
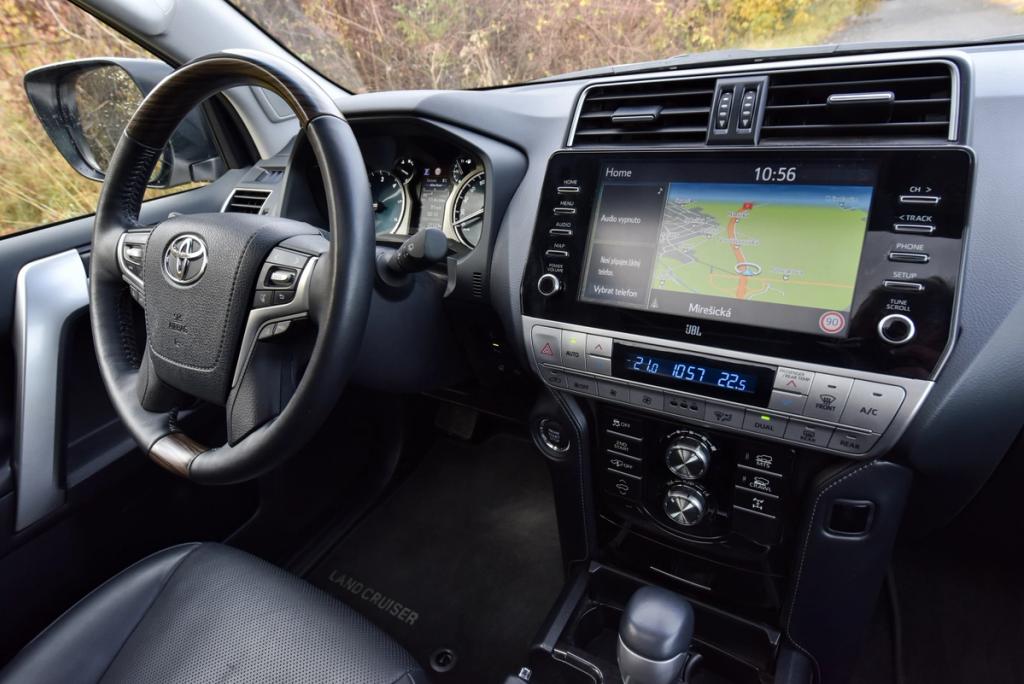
(194,329)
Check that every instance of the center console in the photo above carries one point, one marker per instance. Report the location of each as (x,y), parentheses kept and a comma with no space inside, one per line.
(733,323)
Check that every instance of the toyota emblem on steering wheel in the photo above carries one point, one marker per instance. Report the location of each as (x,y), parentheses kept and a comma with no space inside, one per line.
(185,259)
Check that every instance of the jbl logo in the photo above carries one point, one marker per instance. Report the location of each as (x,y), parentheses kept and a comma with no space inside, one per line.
(692,329)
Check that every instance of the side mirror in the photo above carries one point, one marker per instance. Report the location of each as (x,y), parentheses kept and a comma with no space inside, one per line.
(84,105)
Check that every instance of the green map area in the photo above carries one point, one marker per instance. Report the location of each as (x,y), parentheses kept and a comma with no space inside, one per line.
(795,245)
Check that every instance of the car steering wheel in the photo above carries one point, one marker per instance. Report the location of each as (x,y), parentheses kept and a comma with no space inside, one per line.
(213,284)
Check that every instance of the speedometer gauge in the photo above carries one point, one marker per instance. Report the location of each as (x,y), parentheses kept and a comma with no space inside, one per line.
(388,201)
(468,209)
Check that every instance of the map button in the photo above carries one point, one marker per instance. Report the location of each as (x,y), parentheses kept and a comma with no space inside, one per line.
(574,353)
(793,380)
(827,397)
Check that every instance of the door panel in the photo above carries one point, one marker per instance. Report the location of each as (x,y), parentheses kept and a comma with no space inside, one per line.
(56,425)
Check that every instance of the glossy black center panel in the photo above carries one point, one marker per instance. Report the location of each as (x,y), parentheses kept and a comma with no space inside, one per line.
(824,256)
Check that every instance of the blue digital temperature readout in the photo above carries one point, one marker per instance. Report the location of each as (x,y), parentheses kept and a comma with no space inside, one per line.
(687,372)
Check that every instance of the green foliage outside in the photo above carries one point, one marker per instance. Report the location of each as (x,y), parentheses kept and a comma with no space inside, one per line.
(367,45)
(385,44)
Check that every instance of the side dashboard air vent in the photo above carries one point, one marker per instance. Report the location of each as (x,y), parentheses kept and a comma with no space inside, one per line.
(912,102)
(669,112)
(247,200)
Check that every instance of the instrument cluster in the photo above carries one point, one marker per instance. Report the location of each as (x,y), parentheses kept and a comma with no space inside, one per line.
(425,185)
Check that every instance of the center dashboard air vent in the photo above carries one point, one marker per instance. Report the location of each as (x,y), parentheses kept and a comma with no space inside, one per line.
(247,200)
(911,102)
(673,112)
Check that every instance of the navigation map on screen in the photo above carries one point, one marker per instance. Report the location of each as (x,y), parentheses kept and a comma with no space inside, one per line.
(767,254)
(798,245)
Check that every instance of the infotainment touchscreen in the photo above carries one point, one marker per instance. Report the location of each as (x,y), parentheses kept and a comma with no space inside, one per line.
(774,246)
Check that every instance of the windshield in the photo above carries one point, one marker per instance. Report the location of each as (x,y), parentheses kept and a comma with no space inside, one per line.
(367,45)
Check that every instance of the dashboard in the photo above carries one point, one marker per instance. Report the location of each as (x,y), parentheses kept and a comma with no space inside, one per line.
(946,282)
(740,282)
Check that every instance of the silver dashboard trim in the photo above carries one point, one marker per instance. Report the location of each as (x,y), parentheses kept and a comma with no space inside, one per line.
(916,390)
(47,293)
(947,57)
(258,319)
(129,277)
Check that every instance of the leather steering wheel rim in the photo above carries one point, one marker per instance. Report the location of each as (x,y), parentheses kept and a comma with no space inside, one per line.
(338,283)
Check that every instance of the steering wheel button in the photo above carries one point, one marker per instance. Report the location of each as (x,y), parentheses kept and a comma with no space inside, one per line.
(283,296)
(280,277)
(285,257)
(263,298)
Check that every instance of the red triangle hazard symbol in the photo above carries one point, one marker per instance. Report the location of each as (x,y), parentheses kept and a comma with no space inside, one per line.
(598,347)
(546,350)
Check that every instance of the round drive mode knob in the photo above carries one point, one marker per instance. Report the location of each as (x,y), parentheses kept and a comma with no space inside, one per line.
(688,456)
(896,329)
(548,284)
(685,505)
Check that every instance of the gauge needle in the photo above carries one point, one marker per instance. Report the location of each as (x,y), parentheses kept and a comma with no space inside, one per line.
(466,219)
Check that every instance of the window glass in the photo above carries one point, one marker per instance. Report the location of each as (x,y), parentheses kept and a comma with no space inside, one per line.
(37,186)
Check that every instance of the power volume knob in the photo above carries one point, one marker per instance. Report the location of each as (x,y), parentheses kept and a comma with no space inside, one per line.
(688,457)
(685,505)
(549,284)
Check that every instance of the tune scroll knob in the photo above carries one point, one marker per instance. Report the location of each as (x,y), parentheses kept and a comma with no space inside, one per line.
(689,456)
(685,505)
(549,284)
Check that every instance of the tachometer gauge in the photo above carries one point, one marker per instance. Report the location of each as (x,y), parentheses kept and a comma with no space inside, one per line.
(405,169)
(388,201)
(468,209)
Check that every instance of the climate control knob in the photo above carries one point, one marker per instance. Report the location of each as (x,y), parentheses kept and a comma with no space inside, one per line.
(688,456)
(549,284)
(685,505)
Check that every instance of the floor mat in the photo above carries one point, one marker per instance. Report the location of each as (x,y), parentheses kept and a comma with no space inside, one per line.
(464,555)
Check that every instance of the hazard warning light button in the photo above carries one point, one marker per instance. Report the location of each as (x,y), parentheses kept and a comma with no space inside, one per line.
(547,344)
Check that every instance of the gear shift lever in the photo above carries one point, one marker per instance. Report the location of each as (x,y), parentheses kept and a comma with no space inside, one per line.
(654,637)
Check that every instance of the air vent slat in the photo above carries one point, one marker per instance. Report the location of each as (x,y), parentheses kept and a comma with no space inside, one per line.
(865,83)
(619,97)
(824,103)
(681,109)
(897,103)
(247,201)
(665,130)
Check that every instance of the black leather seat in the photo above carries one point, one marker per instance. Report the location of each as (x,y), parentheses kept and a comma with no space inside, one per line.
(209,613)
